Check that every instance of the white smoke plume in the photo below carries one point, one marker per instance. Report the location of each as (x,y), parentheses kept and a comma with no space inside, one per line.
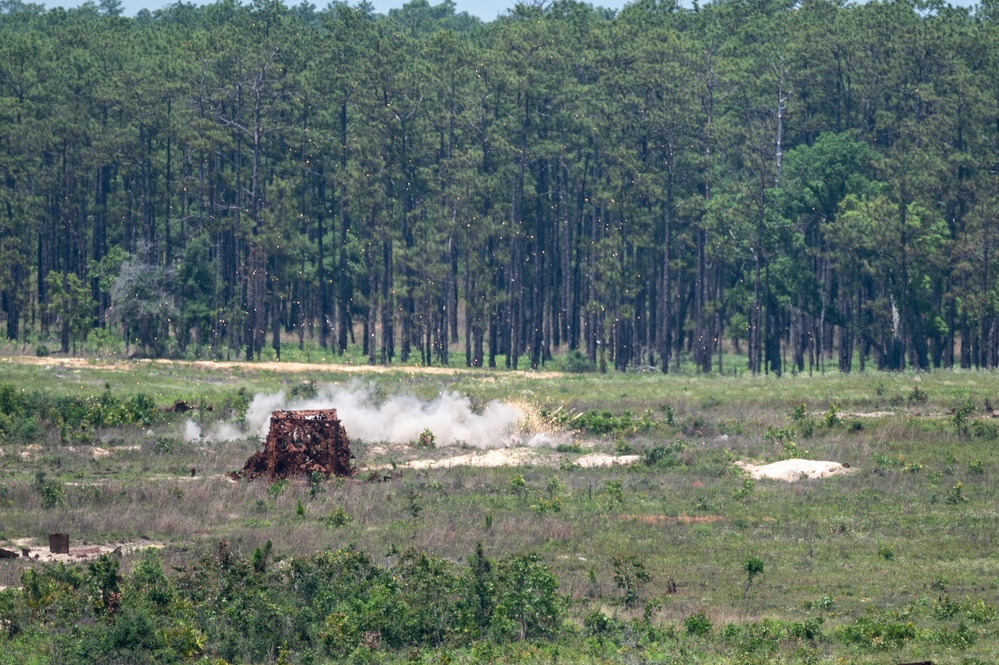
(398,419)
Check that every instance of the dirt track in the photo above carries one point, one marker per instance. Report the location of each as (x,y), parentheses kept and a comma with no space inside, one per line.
(288,367)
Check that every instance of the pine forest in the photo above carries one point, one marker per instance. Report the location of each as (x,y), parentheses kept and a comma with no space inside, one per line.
(771,185)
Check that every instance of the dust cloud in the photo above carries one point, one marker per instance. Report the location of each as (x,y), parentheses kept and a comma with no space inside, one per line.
(396,419)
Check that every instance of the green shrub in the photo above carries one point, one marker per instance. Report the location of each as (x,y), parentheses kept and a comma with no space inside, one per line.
(304,390)
(917,396)
(576,363)
(598,624)
(663,456)
(630,576)
(51,491)
(985,430)
(877,633)
(960,418)
(697,625)
(955,495)
(336,518)
(426,440)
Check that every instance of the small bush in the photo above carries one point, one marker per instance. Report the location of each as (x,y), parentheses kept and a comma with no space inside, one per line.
(955,495)
(663,456)
(337,518)
(277,488)
(985,430)
(697,625)
(746,491)
(831,418)
(598,624)
(575,362)
(630,576)
(886,552)
(52,492)
(622,447)
(917,396)
(304,390)
(426,440)
(959,419)
(878,633)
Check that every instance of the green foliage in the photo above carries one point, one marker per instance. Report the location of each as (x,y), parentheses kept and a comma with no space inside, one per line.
(316,488)
(575,362)
(414,503)
(877,633)
(260,555)
(603,422)
(622,447)
(697,625)
(51,491)
(518,485)
(746,490)
(104,582)
(277,488)
(630,576)
(663,457)
(426,440)
(528,604)
(753,566)
(960,418)
(955,495)
(336,518)
(305,390)
(614,493)
(886,552)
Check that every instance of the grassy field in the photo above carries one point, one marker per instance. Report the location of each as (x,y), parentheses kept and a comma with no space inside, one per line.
(892,562)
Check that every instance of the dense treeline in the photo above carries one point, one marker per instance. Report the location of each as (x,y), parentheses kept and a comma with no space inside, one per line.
(793,181)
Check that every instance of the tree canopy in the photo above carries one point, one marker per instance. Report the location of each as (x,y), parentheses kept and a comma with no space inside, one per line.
(803,182)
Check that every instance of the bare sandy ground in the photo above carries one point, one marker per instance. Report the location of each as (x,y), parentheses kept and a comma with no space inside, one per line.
(522,456)
(80,552)
(790,470)
(286,367)
(603,459)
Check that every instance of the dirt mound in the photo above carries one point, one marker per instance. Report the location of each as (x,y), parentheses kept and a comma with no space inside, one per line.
(301,443)
(790,470)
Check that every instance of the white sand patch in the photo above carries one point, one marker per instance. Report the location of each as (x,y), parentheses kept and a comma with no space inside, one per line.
(603,459)
(790,470)
(491,458)
(521,456)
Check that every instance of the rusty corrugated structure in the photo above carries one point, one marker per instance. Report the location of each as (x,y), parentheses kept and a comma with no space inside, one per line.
(300,443)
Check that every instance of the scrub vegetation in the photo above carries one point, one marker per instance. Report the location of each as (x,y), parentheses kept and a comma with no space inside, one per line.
(676,558)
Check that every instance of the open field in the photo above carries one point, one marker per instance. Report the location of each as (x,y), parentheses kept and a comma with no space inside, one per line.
(894,561)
